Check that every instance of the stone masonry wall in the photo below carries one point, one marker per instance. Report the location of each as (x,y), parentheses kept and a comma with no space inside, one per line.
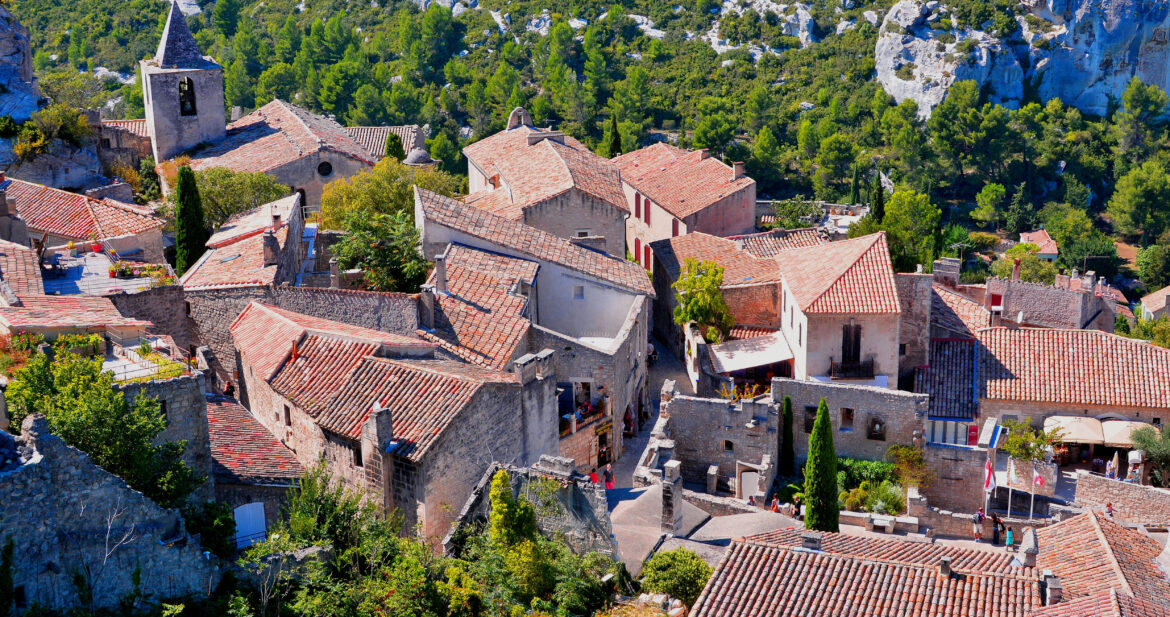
(716,432)
(566,506)
(1036,412)
(566,214)
(914,294)
(901,413)
(212,312)
(396,313)
(186,414)
(1053,307)
(162,306)
(236,495)
(958,477)
(59,508)
(1134,503)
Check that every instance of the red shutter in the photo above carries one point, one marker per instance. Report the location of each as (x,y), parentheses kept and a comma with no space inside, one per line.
(646,210)
(637,205)
(673,228)
(973,435)
(637,249)
(646,261)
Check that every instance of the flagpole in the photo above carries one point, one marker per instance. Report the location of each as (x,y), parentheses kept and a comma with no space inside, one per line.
(1011,472)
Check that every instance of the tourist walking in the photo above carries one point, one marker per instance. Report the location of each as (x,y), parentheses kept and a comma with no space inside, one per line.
(593,476)
(1011,539)
(607,474)
(996,526)
(977,527)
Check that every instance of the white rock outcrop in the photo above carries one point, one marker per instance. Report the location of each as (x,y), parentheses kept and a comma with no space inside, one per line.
(1083,52)
(19,93)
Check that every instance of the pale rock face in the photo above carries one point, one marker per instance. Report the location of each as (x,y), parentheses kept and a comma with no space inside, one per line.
(18,85)
(1083,52)
(63,166)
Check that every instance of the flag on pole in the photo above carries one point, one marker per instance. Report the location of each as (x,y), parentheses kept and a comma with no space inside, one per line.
(989,479)
(1037,479)
(1013,477)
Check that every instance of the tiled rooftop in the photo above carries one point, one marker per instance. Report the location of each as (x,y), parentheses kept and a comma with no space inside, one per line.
(950,379)
(740,267)
(681,182)
(1040,238)
(74,216)
(89,274)
(136,127)
(769,243)
(1107,603)
(373,138)
(243,451)
(956,313)
(530,242)
(533,173)
(275,135)
(41,312)
(237,264)
(1091,554)
(1157,300)
(423,396)
(20,268)
(850,276)
(737,333)
(254,221)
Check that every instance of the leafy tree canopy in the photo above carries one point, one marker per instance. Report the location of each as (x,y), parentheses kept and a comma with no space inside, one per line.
(699,298)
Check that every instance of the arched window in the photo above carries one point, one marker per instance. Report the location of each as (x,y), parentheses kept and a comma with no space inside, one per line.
(186,97)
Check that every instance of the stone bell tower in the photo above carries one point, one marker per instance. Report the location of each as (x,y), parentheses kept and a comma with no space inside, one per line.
(182,91)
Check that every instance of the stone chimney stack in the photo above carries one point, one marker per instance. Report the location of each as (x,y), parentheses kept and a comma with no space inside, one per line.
(1016,269)
(672,501)
(1053,588)
(944,566)
(334,274)
(271,249)
(275,220)
(703,153)
(4,211)
(237,111)
(1029,547)
(426,307)
(810,540)
(737,170)
(441,274)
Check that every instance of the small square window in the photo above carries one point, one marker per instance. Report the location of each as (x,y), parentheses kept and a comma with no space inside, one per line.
(902,349)
(582,233)
(357,454)
(810,417)
(728,446)
(287,416)
(162,410)
(578,292)
(846,420)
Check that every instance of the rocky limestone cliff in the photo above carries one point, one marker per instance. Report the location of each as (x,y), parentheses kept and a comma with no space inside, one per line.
(1083,52)
(18,86)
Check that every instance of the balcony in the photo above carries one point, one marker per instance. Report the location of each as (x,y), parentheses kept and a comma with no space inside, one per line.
(861,369)
(571,424)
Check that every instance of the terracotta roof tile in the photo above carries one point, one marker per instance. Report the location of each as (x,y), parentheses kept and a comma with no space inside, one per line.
(530,174)
(136,127)
(20,268)
(1157,300)
(1105,604)
(957,313)
(423,396)
(275,135)
(74,216)
(254,221)
(373,138)
(738,333)
(1091,553)
(237,264)
(1040,238)
(530,242)
(740,268)
(39,312)
(769,243)
(850,276)
(243,451)
(479,320)
(681,182)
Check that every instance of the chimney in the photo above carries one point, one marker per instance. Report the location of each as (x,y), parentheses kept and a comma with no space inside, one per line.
(4,211)
(736,170)
(703,153)
(672,501)
(810,540)
(1029,547)
(295,353)
(1016,269)
(1090,280)
(271,249)
(275,219)
(441,274)
(236,113)
(944,566)
(1053,589)
(426,307)
(334,274)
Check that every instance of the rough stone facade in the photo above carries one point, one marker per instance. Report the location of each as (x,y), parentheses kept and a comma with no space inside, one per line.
(211,312)
(170,131)
(567,506)
(273,497)
(161,306)
(185,409)
(1050,306)
(1134,503)
(914,294)
(866,419)
(574,214)
(958,477)
(60,508)
(118,145)
(303,175)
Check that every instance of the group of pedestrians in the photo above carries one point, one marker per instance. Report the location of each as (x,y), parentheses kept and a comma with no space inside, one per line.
(606,475)
(997,527)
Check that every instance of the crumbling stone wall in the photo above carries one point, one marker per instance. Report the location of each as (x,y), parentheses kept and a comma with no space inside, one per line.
(396,313)
(709,431)
(567,506)
(1134,503)
(900,413)
(914,294)
(59,509)
(957,483)
(162,306)
(1051,307)
(186,414)
(212,312)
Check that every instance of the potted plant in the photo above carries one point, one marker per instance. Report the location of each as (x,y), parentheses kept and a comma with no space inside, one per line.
(72,248)
(113,272)
(94,245)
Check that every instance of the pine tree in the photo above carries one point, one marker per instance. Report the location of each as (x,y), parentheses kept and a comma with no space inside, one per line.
(615,137)
(394,147)
(877,200)
(855,187)
(787,447)
(820,475)
(190,229)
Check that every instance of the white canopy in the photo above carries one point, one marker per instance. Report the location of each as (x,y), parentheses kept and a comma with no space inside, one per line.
(749,352)
(1117,432)
(1076,429)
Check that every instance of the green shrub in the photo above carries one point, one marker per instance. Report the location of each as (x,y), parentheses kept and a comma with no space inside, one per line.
(8,127)
(679,573)
(851,473)
(215,524)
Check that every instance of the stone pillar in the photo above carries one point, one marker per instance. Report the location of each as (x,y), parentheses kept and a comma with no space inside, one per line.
(672,501)
(712,479)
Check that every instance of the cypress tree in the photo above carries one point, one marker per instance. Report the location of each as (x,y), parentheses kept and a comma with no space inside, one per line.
(877,200)
(615,137)
(787,449)
(855,187)
(190,228)
(820,475)
(394,148)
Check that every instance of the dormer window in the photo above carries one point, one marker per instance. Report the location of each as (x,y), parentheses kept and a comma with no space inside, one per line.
(186,97)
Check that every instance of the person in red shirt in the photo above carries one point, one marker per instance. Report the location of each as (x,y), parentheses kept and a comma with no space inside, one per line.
(593,476)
